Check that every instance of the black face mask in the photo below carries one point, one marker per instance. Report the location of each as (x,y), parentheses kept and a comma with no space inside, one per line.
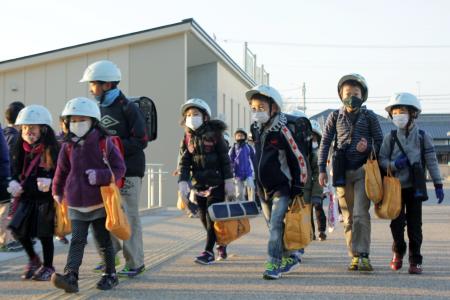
(240,141)
(352,102)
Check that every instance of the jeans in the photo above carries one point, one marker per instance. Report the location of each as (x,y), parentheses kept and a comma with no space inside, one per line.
(274,211)
(240,188)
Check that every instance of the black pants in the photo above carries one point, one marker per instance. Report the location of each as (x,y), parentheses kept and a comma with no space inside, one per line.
(80,231)
(411,216)
(48,249)
(217,195)
(320,218)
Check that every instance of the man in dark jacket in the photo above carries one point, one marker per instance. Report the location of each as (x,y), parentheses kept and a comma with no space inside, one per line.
(11,134)
(123,118)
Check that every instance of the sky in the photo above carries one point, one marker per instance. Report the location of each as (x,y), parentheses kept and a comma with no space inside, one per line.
(396,45)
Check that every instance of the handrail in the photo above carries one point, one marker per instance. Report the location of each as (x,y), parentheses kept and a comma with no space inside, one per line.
(151,183)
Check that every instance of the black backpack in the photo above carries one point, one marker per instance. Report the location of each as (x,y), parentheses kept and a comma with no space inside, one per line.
(302,131)
(148,110)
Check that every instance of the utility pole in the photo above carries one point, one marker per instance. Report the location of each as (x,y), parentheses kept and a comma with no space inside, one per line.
(304,97)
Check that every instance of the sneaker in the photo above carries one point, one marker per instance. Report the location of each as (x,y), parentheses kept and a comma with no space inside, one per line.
(322,236)
(222,252)
(14,246)
(101,265)
(43,274)
(107,282)
(415,269)
(130,272)
(31,268)
(206,258)
(4,248)
(62,240)
(272,271)
(396,262)
(353,266)
(288,264)
(365,265)
(67,282)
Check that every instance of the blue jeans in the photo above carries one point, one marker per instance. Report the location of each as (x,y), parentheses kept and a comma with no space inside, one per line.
(274,211)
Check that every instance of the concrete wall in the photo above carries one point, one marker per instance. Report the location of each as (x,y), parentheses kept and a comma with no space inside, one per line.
(202,83)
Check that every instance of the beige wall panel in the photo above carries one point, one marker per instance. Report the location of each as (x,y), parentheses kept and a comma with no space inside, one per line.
(96,56)
(74,71)
(56,90)
(35,85)
(158,70)
(2,96)
(121,57)
(14,79)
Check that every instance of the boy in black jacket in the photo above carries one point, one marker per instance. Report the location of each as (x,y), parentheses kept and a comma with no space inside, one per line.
(280,172)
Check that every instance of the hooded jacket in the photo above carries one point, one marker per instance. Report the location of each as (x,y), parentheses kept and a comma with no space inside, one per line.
(242,157)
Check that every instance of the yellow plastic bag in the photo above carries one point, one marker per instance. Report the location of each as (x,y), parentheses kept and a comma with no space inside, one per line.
(63,226)
(180,202)
(391,205)
(230,230)
(373,181)
(297,229)
(116,219)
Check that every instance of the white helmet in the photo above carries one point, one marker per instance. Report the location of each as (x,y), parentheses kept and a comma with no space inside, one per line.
(197,103)
(267,91)
(102,70)
(359,79)
(81,106)
(405,99)
(316,127)
(34,115)
(298,113)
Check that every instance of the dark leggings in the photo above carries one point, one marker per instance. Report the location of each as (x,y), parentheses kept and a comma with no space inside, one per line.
(80,231)
(320,218)
(47,249)
(217,195)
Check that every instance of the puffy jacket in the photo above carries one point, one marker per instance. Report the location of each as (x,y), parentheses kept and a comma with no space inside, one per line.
(312,186)
(242,157)
(277,168)
(204,155)
(123,118)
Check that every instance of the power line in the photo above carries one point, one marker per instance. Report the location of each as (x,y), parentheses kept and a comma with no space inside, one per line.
(305,45)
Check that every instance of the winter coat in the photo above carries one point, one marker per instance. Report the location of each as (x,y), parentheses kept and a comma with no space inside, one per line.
(242,157)
(277,168)
(73,161)
(123,118)
(204,157)
(412,146)
(312,186)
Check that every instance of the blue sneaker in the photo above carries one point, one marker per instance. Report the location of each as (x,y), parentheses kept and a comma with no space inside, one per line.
(130,272)
(100,268)
(206,258)
(272,271)
(288,264)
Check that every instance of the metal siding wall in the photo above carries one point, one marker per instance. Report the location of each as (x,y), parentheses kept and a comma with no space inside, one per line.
(121,57)
(56,90)
(74,71)
(35,85)
(15,78)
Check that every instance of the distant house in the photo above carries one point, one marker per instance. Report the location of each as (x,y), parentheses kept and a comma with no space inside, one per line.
(436,125)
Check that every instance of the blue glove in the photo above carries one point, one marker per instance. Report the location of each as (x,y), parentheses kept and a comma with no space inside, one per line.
(439,192)
(401,162)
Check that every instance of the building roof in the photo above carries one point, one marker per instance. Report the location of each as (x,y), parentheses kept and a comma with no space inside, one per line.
(186,25)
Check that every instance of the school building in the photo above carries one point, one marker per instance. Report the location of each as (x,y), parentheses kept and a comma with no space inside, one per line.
(169,64)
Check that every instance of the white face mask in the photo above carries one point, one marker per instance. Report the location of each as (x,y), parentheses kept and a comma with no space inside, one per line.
(315,145)
(80,128)
(194,122)
(260,117)
(400,120)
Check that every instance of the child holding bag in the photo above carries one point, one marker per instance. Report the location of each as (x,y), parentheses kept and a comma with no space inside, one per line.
(80,173)
(206,163)
(33,214)
(404,151)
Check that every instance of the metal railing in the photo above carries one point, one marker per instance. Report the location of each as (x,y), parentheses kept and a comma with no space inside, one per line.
(151,174)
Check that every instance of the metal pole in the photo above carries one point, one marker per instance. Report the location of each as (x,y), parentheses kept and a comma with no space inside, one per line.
(148,188)
(245,57)
(152,200)
(159,187)
(304,97)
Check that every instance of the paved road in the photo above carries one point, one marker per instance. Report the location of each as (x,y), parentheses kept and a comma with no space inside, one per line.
(172,241)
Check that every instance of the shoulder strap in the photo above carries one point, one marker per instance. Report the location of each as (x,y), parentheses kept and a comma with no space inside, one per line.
(335,117)
(392,142)
(298,154)
(399,144)
(422,146)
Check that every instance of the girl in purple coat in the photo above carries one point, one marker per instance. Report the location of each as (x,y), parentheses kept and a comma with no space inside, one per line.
(80,173)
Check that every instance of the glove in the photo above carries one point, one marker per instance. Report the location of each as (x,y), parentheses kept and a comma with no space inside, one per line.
(43,184)
(401,162)
(439,192)
(57,198)
(230,190)
(184,189)
(92,176)
(296,190)
(14,188)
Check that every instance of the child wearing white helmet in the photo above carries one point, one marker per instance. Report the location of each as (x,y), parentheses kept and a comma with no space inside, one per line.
(407,151)
(280,173)
(34,159)
(87,161)
(204,162)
